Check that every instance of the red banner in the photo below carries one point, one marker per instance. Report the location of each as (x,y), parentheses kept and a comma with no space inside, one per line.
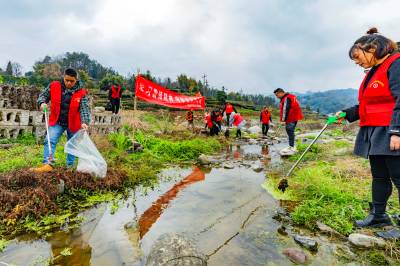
(153,93)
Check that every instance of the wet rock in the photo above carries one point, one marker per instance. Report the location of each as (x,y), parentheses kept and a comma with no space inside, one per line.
(258,167)
(345,252)
(252,141)
(282,230)
(365,241)
(136,147)
(254,129)
(246,164)
(130,225)
(281,215)
(99,109)
(228,165)
(306,242)
(252,156)
(327,230)
(175,249)
(296,255)
(205,159)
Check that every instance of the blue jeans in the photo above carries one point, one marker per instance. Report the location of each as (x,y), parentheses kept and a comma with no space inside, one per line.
(290,128)
(55,132)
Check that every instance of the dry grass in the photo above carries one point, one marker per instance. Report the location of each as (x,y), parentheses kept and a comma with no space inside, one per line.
(134,119)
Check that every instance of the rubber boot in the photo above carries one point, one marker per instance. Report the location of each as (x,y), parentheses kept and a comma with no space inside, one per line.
(374,219)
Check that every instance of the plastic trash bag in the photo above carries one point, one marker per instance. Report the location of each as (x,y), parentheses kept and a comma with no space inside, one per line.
(89,158)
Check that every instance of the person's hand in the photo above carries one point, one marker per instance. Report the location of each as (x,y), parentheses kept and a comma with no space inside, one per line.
(340,120)
(84,126)
(42,106)
(395,143)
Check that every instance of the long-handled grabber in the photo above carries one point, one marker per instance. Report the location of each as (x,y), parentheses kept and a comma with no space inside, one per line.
(283,184)
(51,158)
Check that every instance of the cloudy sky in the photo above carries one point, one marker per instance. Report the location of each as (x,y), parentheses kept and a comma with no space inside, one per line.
(254,45)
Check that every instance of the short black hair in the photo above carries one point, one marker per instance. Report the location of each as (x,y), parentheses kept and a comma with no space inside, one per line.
(279,90)
(71,72)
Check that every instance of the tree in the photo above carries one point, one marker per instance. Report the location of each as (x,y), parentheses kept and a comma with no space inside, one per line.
(86,79)
(51,70)
(106,82)
(221,96)
(9,70)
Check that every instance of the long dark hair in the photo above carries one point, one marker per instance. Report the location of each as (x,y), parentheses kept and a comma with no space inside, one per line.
(373,40)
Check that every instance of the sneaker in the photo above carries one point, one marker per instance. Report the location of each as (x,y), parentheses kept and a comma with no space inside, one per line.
(287,151)
(42,169)
(293,149)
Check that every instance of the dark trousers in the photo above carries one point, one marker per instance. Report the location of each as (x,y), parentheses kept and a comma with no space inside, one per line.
(115,103)
(265,128)
(290,128)
(214,130)
(238,133)
(385,169)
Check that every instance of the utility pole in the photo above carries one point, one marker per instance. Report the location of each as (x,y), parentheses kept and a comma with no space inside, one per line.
(205,82)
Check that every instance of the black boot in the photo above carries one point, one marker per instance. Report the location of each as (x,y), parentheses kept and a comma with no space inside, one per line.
(374,219)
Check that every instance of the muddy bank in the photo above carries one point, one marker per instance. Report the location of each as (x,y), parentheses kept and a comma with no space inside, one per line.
(23,192)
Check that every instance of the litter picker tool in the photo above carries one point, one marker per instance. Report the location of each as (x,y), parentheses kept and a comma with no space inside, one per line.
(47,133)
(283,184)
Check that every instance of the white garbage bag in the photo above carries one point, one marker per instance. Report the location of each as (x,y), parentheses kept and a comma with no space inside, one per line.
(89,158)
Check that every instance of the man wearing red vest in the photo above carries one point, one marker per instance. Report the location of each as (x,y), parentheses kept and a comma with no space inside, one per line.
(290,113)
(228,110)
(265,118)
(115,98)
(69,111)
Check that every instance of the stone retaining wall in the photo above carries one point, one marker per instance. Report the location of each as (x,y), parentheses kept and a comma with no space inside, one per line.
(19,114)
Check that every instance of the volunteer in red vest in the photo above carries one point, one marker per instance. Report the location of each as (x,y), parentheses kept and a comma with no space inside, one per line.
(228,110)
(190,119)
(238,121)
(114,96)
(379,113)
(290,114)
(265,119)
(69,112)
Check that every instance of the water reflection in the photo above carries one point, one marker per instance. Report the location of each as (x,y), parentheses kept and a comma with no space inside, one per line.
(151,215)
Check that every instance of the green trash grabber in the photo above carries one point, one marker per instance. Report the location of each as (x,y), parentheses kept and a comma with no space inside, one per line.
(283,184)
(47,133)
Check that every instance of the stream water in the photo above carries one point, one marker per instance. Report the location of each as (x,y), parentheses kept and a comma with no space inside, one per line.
(225,211)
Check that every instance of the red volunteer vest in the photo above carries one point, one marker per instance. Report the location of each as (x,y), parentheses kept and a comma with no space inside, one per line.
(237,119)
(265,116)
(229,108)
(376,100)
(74,117)
(115,91)
(295,113)
(209,121)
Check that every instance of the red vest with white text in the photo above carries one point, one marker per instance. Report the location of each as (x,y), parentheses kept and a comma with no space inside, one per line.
(376,100)
(295,113)
(74,117)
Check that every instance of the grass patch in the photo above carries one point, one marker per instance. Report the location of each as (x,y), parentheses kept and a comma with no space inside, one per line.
(331,188)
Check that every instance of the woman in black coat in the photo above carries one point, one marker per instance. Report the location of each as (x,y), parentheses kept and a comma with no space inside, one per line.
(379,114)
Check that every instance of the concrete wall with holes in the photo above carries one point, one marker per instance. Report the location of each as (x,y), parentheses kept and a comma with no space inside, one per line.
(16,122)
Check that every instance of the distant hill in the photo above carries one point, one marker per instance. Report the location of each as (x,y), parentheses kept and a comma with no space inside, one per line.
(326,102)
